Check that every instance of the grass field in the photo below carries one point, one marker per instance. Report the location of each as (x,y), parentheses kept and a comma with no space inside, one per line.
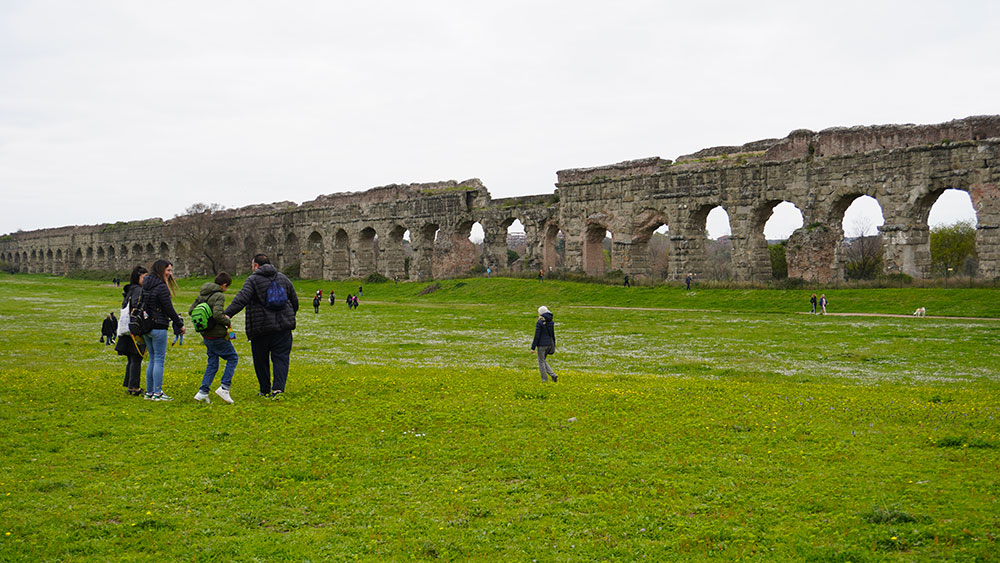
(719,424)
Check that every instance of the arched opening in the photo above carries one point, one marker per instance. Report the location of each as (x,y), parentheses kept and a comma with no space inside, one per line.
(953,222)
(710,254)
(423,252)
(649,251)
(597,241)
(150,251)
(77,260)
(395,253)
(111,257)
(367,252)
(517,244)
(290,256)
(49,262)
(340,255)
(100,253)
(164,249)
(859,253)
(270,247)
(312,258)
(553,248)
(137,254)
(785,219)
(477,234)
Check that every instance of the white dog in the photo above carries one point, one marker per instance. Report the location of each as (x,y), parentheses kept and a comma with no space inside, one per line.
(920,312)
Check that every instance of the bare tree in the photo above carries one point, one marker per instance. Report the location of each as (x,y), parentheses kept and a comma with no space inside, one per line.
(863,251)
(202,231)
(719,259)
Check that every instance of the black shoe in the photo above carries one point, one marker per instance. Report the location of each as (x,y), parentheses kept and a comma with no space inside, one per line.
(263,394)
(276,395)
(554,379)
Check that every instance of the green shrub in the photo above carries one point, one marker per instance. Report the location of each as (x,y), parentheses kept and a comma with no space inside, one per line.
(376,277)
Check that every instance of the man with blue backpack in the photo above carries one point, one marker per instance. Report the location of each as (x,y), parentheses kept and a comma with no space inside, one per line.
(271,303)
(209,319)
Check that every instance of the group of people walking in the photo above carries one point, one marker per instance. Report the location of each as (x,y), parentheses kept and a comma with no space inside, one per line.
(271,305)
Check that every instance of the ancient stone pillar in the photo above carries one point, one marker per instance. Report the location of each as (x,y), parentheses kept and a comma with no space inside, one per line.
(906,249)
(495,246)
(986,200)
(810,253)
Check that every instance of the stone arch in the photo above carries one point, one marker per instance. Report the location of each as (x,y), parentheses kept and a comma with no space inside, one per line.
(77,260)
(312,257)
(640,263)
(553,247)
(595,232)
(150,251)
(340,255)
(270,246)
(100,253)
(90,257)
(926,206)
(164,250)
(49,262)
(137,254)
(783,222)
(423,251)
(366,254)
(290,257)
(395,254)
(703,245)
(859,247)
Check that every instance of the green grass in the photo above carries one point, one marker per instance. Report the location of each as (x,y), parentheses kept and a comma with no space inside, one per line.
(705,425)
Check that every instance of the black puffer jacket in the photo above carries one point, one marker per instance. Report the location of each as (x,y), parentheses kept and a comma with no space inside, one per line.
(545,332)
(156,299)
(260,320)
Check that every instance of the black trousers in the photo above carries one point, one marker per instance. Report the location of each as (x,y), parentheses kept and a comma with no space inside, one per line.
(133,370)
(271,349)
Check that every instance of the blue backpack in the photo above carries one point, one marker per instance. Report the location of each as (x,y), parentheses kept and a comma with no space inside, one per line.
(276,297)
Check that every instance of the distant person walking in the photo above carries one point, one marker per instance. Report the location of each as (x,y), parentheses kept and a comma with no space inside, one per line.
(215,336)
(361,290)
(158,289)
(271,303)
(541,274)
(626,281)
(132,348)
(350,301)
(332,297)
(822,302)
(108,327)
(687,281)
(812,301)
(544,343)
(316,302)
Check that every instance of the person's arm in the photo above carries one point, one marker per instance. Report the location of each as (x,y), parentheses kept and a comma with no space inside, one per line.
(538,333)
(242,299)
(219,310)
(292,296)
(167,306)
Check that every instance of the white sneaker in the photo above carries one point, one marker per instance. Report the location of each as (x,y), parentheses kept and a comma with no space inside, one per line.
(224,393)
(202,396)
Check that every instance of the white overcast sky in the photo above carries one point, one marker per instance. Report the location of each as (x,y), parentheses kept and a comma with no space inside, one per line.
(123,110)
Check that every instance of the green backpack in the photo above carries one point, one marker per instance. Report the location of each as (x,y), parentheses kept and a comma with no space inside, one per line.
(201,317)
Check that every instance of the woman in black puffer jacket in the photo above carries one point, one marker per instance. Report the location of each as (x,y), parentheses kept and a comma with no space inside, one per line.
(126,345)
(158,289)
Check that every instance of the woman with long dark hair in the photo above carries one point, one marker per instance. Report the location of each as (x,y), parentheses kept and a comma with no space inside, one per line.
(158,290)
(127,346)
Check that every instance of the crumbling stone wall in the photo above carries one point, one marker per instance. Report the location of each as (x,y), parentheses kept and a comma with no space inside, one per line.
(345,235)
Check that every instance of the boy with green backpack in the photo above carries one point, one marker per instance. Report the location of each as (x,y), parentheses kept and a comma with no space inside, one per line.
(209,318)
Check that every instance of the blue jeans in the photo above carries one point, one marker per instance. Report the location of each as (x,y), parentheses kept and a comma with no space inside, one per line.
(156,344)
(219,348)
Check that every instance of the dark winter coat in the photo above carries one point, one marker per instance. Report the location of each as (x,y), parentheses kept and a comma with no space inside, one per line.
(545,332)
(130,296)
(156,300)
(260,320)
(109,327)
(211,293)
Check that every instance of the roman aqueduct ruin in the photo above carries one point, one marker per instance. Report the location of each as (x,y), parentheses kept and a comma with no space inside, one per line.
(905,168)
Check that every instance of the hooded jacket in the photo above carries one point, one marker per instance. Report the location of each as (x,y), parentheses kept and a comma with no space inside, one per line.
(211,293)
(545,332)
(259,319)
(156,300)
